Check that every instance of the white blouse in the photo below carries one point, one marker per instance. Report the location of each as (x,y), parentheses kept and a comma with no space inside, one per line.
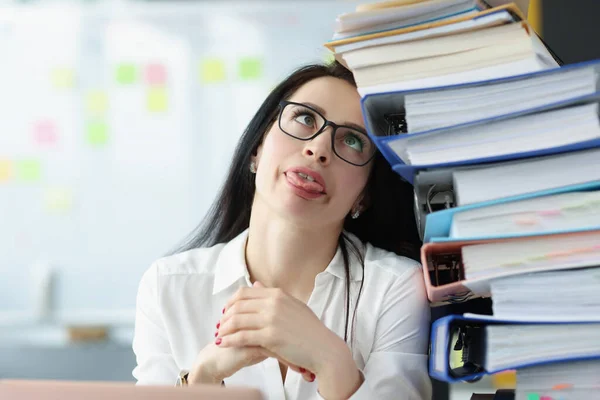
(181,297)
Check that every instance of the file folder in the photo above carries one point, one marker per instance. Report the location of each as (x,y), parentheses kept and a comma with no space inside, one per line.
(439,223)
(512,8)
(472,341)
(443,269)
(385,121)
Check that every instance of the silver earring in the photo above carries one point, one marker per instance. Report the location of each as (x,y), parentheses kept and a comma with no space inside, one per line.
(355,214)
(253,167)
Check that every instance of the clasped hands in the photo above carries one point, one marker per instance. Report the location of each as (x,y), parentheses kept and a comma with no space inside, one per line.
(276,325)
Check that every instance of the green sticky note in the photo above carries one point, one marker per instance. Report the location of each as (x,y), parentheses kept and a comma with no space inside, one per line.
(250,68)
(97,133)
(29,170)
(97,102)
(63,78)
(157,100)
(212,70)
(328,58)
(533,396)
(126,74)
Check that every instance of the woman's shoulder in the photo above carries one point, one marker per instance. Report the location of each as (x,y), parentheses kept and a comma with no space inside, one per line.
(194,261)
(384,263)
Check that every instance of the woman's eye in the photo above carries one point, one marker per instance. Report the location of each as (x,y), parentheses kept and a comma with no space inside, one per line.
(306,119)
(353,142)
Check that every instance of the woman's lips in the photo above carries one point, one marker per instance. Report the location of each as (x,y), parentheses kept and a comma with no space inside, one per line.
(304,188)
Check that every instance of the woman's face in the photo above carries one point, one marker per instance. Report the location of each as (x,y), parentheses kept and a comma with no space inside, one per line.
(305,180)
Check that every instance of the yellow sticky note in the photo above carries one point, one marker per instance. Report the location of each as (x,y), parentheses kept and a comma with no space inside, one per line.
(157,100)
(250,68)
(96,102)
(29,170)
(97,133)
(58,199)
(63,78)
(5,170)
(126,74)
(212,70)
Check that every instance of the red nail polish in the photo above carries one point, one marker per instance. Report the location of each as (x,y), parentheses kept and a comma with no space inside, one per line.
(218,341)
(312,377)
(216,333)
(223,310)
(302,370)
(218,325)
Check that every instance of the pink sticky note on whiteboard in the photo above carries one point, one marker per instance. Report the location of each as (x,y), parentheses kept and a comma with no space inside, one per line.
(156,74)
(45,132)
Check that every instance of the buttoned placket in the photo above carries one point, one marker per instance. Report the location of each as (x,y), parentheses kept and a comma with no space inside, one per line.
(286,390)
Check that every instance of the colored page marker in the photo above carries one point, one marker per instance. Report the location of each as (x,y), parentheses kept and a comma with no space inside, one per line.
(157,100)
(250,68)
(29,170)
(45,132)
(126,74)
(533,396)
(97,133)
(156,75)
(5,170)
(96,102)
(212,70)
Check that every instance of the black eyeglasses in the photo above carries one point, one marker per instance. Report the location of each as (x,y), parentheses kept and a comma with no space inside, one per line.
(303,122)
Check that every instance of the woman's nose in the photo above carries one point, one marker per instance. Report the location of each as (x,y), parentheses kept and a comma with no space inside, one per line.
(320,147)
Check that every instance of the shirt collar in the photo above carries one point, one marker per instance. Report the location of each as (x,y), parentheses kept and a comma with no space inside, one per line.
(231,264)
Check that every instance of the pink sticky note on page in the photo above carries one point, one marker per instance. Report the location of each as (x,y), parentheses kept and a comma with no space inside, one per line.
(156,74)
(45,132)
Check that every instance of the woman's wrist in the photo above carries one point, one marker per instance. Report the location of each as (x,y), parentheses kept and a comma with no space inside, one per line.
(201,374)
(338,376)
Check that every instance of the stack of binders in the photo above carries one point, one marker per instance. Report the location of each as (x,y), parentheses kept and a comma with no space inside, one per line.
(506,173)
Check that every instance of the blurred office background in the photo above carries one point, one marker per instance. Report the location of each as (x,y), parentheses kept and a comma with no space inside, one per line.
(118,120)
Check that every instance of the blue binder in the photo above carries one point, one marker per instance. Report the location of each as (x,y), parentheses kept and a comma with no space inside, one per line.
(442,331)
(377,109)
(438,224)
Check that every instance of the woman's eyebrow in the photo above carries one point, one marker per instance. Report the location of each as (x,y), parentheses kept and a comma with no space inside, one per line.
(348,124)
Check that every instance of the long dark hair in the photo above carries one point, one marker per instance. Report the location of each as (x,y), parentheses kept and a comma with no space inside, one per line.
(387,223)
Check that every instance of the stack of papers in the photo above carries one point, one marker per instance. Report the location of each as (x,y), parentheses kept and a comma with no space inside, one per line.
(397,45)
(534,132)
(438,109)
(574,380)
(519,344)
(525,176)
(544,253)
(553,213)
(571,295)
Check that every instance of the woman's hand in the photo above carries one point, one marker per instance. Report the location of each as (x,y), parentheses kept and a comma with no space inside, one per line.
(285,327)
(213,364)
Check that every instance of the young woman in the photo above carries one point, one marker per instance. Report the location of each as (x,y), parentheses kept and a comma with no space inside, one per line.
(300,282)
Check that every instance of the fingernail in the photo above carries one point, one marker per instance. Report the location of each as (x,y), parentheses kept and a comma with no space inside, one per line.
(218,341)
(218,325)
(223,310)
(216,333)
(312,377)
(302,370)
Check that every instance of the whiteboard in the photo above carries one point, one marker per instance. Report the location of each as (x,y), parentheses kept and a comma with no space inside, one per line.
(118,123)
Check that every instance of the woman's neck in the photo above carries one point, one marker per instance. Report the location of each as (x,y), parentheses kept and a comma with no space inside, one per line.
(288,256)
